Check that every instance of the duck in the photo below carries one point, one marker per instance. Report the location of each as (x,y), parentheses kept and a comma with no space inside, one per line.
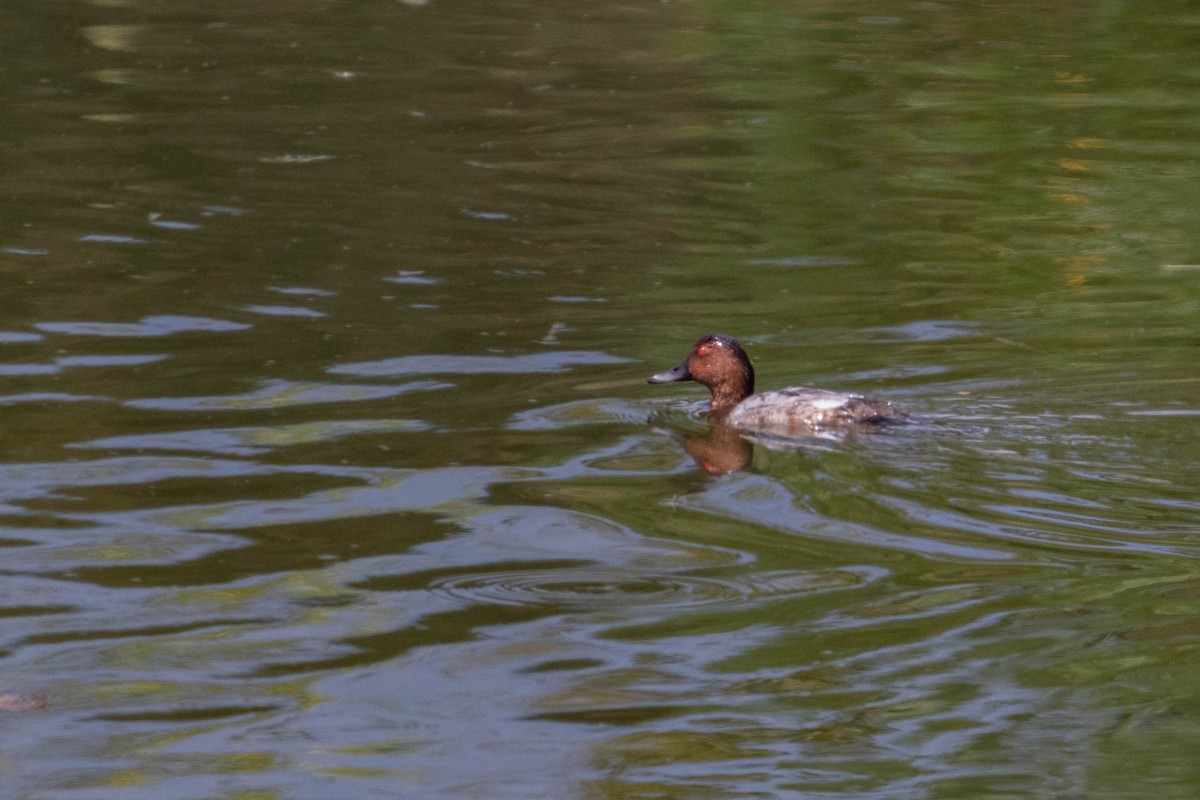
(719,362)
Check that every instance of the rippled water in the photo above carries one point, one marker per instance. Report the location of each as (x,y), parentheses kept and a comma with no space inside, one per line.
(329,469)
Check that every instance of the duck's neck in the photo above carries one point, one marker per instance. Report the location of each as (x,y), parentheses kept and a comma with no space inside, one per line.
(727,395)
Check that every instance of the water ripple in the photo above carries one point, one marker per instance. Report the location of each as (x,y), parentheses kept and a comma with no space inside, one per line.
(15,337)
(162,325)
(761,500)
(79,361)
(49,397)
(284,311)
(554,361)
(589,589)
(251,441)
(580,412)
(280,393)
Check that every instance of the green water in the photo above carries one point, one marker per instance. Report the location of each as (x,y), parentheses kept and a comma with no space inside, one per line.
(328,467)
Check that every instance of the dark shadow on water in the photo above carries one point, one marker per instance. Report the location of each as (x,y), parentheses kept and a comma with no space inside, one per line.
(449,627)
(290,547)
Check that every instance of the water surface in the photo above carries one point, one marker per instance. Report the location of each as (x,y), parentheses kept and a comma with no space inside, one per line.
(329,470)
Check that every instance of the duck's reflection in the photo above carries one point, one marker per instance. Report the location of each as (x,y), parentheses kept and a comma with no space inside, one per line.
(718,450)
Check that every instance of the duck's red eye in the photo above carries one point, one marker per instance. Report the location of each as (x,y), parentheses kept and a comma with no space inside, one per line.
(702,350)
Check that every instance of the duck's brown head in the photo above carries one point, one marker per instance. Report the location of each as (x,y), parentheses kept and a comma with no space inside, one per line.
(718,362)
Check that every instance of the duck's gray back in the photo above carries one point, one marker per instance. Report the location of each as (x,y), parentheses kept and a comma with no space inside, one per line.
(797,409)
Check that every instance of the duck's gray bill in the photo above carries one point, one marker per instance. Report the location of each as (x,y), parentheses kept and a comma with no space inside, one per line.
(679,373)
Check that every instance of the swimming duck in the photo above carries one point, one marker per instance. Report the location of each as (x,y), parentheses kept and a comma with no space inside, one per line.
(718,362)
